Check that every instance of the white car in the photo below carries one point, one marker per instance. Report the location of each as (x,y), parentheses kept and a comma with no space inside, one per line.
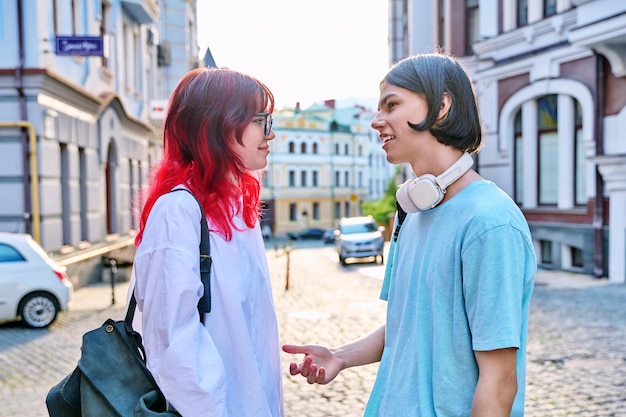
(359,237)
(33,288)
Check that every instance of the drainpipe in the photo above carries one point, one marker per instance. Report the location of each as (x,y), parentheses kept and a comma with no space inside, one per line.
(598,212)
(19,86)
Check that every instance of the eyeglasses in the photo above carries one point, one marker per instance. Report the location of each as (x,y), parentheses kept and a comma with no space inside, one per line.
(268,122)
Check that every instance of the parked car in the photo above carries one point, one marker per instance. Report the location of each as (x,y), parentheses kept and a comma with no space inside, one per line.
(359,237)
(329,236)
(33,288)
(312,233)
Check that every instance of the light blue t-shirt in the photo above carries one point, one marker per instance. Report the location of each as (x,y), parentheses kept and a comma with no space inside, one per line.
(459,279)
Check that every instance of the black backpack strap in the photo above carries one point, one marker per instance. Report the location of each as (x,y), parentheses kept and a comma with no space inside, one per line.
(401,216)
(204,305)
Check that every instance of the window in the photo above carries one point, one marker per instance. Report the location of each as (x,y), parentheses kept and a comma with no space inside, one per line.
(74,15)
(128,55)
(346,178)
(556,153)
(10,254)
(55,17)
(315,151)
(293,212)
(303,179)
(518,165)
(580,163)
(548,150)
(546,251)
(133,191)
(441,29)
(522,12)
(346,208)
(103,28)
(549,8)
(336,149)
(66,194)
(346,149)
(316,211)
(337,177)
(136,61)
(337,210)
(303,147)
(62,14)
(577,257)
(84,194)
(292,147)
(292,178)
(471,25)
(314,181)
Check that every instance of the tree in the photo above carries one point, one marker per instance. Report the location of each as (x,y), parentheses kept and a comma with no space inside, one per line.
(382,209)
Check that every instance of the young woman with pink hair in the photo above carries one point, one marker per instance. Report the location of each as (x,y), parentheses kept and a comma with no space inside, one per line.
(216,135)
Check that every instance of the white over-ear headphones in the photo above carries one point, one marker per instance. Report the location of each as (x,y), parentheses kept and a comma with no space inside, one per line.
(426,191)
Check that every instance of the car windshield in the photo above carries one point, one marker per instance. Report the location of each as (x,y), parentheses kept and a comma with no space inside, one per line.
(349,229)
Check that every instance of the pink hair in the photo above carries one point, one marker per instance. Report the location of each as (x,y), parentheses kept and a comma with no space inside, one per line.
(209,110)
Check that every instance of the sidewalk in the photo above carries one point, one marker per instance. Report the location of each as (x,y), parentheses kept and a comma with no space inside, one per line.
(576,362)
(99,295)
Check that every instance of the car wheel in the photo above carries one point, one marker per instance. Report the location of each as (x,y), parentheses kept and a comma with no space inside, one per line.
(382,259)
(342,260)
(38,310)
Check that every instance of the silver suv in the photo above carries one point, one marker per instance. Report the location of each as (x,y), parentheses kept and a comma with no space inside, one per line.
(359,237)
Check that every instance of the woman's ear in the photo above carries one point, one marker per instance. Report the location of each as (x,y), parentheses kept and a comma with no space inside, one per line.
(446,103)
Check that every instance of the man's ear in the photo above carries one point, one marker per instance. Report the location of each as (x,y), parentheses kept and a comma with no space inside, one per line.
(446,103)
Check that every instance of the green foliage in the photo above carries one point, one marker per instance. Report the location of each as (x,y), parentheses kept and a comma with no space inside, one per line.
(381,209)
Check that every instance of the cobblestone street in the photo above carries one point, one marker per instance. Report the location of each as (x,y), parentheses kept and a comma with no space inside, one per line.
(576,353)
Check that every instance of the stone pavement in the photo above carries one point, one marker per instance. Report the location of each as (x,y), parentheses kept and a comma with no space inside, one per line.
(576,353)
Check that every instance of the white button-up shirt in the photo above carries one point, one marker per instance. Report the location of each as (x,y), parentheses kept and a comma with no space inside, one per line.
(230,366)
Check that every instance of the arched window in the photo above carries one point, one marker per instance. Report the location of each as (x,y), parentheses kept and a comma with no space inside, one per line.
(562,120)
(292,147)
(303,147)
(315,148)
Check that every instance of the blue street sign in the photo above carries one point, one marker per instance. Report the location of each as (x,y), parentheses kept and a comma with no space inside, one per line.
(80,45)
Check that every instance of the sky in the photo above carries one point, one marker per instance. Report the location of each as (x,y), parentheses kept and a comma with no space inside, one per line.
(305,51)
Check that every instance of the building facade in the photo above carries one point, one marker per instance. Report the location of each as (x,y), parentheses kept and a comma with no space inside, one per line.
(80,87)
(550,75)
(323,163)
